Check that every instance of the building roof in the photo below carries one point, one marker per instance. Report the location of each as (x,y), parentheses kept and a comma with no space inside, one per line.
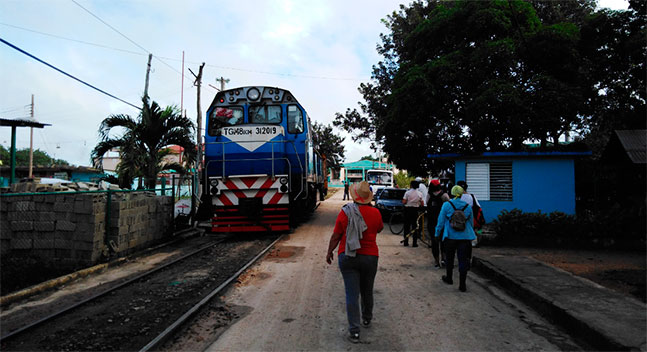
(634,143)
(525,154)
(22,123)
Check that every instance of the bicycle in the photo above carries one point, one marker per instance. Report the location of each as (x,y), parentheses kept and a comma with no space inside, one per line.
(396,225)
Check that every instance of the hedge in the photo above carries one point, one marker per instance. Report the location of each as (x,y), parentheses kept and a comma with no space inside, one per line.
(615,227)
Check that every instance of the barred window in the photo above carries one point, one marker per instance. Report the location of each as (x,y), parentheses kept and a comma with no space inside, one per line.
(500,181)
(490,181)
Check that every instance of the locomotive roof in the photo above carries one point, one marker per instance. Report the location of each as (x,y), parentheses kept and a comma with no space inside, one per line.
(254,95)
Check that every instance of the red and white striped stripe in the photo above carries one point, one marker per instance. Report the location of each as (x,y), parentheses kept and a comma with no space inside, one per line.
(234,188)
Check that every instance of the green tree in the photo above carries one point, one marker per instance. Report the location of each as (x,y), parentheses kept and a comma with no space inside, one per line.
(329,144)
(402,179)
(615,43)
(368,157)
(145,142)
(472,76)
(40,158)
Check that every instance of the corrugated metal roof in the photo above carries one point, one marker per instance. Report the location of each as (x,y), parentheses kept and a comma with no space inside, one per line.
(635,144)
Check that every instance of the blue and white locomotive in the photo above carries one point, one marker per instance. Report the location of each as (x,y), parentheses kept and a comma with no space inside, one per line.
(261,169)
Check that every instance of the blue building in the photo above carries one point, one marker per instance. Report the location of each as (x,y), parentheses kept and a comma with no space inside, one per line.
(528,181)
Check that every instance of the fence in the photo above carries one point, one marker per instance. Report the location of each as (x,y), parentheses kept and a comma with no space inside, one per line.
(83,226)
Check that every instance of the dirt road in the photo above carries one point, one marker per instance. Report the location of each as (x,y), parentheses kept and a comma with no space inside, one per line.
(293,300)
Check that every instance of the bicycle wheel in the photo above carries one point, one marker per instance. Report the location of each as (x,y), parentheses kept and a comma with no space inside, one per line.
(396,222)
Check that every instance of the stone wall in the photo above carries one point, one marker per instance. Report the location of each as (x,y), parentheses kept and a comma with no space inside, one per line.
(71,228)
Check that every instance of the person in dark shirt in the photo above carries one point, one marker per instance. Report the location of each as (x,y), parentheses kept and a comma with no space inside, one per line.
(346,190)
(435,199)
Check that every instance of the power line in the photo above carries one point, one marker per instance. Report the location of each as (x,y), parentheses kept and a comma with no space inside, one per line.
(72,40)
(67,74)
(188,62)
(123,35)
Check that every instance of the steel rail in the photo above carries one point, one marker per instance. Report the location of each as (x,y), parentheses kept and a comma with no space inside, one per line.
(157,341)
(136,278)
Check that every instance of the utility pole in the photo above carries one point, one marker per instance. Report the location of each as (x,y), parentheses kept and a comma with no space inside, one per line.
(198,83)
(222,81)
(31,141)
(182,90)
(148,71)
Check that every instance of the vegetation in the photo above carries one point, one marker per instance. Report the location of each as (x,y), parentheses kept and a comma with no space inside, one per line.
(609,228)
(369,158)
(40,157)
(145,142)
(473,76)
(402,179)
(329,144)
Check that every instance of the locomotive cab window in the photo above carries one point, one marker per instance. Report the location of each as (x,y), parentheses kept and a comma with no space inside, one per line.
(224,117)
(265,114)
(295,119)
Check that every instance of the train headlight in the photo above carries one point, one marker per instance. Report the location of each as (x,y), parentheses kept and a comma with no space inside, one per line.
(214,182)
(283,188)
(214,190)
(283,180)
(253,94)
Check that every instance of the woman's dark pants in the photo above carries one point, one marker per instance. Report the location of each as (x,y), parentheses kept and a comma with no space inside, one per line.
(359,276)
(410,217)
(464,250)
(437,247)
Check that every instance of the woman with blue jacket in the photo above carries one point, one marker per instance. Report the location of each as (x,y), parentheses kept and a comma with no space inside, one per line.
(457,235)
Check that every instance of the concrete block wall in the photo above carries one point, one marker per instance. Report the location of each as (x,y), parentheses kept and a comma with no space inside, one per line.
(71,228)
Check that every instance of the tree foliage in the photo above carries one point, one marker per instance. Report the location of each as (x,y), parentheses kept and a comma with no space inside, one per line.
(329,144)
(145,142)
(369,157)
(40,158)
(472,76)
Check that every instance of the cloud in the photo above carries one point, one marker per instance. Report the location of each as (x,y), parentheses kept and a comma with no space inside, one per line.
(321,50)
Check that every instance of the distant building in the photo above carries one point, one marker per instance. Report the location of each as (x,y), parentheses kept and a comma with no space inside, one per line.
(64,172)
(111,160)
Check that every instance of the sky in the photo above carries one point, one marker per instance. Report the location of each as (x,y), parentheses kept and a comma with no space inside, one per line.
(320,50)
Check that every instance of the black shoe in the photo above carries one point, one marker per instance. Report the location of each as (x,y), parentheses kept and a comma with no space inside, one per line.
(415,245)
(447,280)
(406,244)
(366,323)
(353,337)
(437,266)
(461,284)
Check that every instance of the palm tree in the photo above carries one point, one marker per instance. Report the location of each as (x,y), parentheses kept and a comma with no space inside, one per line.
(144,143)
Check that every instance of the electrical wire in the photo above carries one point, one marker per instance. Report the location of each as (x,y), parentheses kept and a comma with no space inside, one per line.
(67,74)
(130,40)
(73,40)
(188,62)
(15,109)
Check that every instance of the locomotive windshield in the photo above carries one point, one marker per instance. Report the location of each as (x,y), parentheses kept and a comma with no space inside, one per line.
(265,114)
(224,117)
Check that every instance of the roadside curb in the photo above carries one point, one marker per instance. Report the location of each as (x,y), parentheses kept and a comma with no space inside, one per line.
(581,325)
(62,280)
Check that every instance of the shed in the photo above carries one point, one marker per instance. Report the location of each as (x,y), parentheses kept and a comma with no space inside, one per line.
(529,181)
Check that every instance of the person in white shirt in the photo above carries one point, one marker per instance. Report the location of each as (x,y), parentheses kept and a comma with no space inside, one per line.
(423,190)
(412,201)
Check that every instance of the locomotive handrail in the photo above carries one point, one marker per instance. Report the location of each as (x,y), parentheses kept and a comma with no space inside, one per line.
(224,159)
(256,159)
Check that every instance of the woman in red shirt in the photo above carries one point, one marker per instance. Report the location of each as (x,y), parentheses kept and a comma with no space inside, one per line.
(355,232)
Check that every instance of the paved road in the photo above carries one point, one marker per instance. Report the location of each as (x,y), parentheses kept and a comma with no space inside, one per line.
(295,301)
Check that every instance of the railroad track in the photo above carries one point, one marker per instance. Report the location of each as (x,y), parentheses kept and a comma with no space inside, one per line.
(144,311)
